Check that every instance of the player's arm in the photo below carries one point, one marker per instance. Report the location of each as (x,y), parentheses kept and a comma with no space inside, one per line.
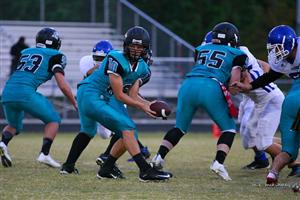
(239,64)
(134,92)
(114,71)
(264,65)
(56,66)
(90,71)
(265,79)
(116,84)
(261,81)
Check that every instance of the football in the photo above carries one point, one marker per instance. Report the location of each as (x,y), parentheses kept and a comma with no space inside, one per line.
(161,108)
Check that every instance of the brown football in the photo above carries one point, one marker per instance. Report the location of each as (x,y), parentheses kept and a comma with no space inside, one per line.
(161,108)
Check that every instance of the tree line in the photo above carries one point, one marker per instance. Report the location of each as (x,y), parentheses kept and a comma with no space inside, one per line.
(190,19)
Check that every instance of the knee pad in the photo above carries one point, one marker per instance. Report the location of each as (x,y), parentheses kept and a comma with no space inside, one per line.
(226,138)
(173,136)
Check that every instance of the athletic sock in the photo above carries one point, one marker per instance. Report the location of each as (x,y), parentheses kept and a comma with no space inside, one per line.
(79,144)
(220,156)
(113,140)
(170,140)
(141,162)
(47,142)
(163,151)
(260,155)
(6,137)
(140,144)
(109,163)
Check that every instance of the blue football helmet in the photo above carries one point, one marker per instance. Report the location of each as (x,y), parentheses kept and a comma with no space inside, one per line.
(208,38)
(281,41)
(100,50)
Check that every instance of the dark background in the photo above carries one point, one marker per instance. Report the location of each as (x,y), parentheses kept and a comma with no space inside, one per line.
(190,19)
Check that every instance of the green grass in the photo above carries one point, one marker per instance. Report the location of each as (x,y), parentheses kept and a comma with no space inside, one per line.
(189,162)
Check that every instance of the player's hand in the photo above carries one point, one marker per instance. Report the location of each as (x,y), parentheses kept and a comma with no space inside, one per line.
(234,90)
(148,111)
(75,106)
(242,87)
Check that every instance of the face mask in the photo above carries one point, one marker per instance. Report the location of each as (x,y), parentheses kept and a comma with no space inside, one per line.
(98,60)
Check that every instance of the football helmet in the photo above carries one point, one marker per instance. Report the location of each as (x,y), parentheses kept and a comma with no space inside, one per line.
(281,41)
(225,33)
(136,35)
(100,50)
(208,38)
(48,38)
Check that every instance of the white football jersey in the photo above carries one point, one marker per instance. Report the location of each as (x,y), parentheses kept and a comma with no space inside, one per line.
(264,93)
(85,64)
(284,67)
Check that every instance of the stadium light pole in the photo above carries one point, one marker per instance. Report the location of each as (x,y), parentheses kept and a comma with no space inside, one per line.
(42,10)
(106,11)
(93,10)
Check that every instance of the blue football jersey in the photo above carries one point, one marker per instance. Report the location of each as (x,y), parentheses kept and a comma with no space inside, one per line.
(36,66)
(115,62)
(217,61)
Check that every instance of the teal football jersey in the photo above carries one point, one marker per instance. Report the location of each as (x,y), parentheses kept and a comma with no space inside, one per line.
(36,66)
(217,61)
(115,62)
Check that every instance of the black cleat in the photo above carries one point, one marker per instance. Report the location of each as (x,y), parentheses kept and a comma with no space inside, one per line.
(154,175)
(68,169)
(101,159)
(114,173)
(257,164)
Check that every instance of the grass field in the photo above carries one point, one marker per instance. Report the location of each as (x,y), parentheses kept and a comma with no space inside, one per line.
(189,162)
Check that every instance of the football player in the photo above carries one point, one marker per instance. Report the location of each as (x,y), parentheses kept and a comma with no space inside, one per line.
(36,66)
(258,131)
(283,57)
(90,63)
(87,65)
(204,87)
(245,111)
(101,98)
(259,115)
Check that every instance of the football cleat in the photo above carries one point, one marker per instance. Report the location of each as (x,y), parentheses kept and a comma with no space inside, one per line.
(257,164)
(114,173)
(220,170)
(157,162)
(68,169)
(153,174)
(48,160)
(5,157)
(101,159)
